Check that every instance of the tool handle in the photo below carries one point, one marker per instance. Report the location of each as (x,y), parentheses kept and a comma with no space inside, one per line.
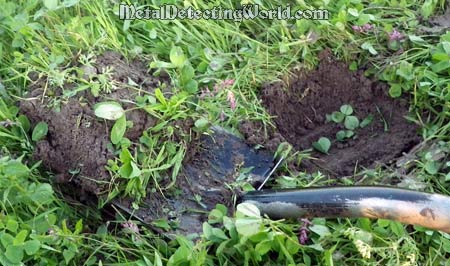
(402,205)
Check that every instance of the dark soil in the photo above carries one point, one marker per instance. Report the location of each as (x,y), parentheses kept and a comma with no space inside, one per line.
(300,107)
(76,146)
(77,149)
(438,24)
(207,173)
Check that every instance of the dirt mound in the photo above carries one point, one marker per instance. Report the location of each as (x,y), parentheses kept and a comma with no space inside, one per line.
(76,146)
(300,110)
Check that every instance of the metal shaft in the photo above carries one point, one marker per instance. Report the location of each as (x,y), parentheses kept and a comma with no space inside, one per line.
(405,206)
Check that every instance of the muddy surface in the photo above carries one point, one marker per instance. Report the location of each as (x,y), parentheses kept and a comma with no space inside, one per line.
(215,163)
(76,146)
(300,109)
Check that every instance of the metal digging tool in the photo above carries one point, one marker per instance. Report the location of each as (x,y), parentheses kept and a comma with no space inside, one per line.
(203,184)
(204,181)
(402,205)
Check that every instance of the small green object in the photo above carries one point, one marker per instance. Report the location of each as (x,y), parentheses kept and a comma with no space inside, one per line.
(322,145)
(346,109)
(39,131)
(118,130)
(351,122)
(395,90)
(366,121)
(353,66)
(109,110)
(51,4)
(344,134)
(191,86)
(24,122)
(177,57)
(161,223)
(337,117)
(32,246)
(14,253)
(201,123)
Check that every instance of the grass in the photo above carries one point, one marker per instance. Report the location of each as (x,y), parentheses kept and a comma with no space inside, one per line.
(38,225)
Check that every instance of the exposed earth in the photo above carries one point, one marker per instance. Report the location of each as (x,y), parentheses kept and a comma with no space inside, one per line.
(300,107)
(77,146)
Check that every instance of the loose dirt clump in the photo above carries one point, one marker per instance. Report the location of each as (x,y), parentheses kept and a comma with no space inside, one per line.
(300,109)
(76,146)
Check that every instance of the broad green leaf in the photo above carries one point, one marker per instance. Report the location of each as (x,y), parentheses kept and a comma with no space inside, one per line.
(109,110)
(353,66)
(447,177)
(215,216)
(32,246)
(118,130)
(135,171)
(337,117)
(24,122)
(201,123)
(39,131)
(351,122)
(321,230)
(161,223)
(51,4)
(20,237)
(157,261)
(341,135)
(322,145)
(161,64)
(6,239)
(15,168)
(440,66)
(432,167)
(397,228)
(12,225)
(353,11)
(248,226)
(207,230)
(383,222)
(395,90)
(263,247)
(125,156)
(14,253)
(219,234)
(247,210)
(427,8)
(191,86)
(42,194)
(346,109)
(405,70)
(187,73)
(177,57)
(349,133)
(68,255)
(125,170)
